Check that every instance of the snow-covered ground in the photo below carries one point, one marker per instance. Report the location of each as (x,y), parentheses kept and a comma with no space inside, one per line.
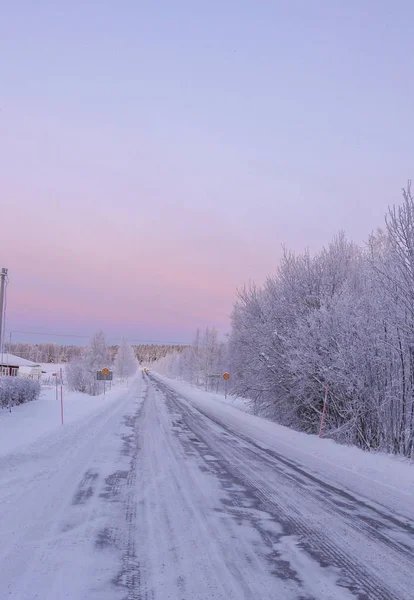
(163,492)
(51,368)
(27,423)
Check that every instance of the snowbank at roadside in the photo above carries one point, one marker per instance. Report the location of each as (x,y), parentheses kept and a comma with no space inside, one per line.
(27,423)
(376,477)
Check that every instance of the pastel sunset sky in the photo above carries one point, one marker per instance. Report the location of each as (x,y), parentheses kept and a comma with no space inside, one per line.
(154,156)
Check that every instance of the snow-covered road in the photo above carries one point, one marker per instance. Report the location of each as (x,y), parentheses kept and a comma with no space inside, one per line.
(153,497)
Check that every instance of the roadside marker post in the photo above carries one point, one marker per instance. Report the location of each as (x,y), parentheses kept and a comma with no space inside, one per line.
(226,377)
(323,410)
(56,386)
(61,394)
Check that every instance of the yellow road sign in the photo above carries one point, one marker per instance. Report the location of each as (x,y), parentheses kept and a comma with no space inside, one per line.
(226,376)
(105,371)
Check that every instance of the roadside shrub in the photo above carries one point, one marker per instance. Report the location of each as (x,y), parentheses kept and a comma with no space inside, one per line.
(15,391)
(81,372)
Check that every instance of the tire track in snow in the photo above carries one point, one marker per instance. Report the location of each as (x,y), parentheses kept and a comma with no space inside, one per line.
(53,512)
(189,547)
(129,576)
(254,466)
(86,487)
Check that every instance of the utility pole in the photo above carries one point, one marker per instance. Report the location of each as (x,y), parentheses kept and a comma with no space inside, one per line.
(3,275)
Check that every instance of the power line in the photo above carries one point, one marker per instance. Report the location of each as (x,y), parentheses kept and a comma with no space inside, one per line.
(163,343)
(75,335)
(53,334)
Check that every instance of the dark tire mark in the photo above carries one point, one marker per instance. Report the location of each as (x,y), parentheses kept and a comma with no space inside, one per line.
(105,539)
(374,522)
(86,487)
(120,487)
(113,486)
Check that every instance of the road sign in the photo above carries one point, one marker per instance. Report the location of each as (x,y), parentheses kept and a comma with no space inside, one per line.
(226,376)
(105,371)
(101,376)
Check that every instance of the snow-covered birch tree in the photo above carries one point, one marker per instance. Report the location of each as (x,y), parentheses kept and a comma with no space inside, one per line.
(125,363)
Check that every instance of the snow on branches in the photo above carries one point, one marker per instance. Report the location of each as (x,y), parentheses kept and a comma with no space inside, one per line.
(344,317)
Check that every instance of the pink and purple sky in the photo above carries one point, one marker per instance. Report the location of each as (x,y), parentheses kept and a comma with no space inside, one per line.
(156,156)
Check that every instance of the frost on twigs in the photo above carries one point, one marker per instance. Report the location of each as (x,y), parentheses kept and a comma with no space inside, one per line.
(16,390)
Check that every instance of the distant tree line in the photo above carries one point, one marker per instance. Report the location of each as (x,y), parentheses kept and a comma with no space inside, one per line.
(44,352)
(148,353)
(50,352)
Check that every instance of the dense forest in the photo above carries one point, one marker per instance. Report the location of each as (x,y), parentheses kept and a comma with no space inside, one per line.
(341,320)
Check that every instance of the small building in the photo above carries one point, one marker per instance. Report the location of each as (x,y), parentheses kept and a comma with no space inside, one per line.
(15,365)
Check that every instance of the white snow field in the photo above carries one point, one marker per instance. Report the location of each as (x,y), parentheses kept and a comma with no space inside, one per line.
(26,423)
(158,492)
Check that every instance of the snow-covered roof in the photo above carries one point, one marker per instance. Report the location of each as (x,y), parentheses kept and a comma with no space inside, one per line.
(16,361)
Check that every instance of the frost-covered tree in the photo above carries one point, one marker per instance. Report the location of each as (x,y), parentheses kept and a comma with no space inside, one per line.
(81,372)
(125,363)
(206,357)
(343,318)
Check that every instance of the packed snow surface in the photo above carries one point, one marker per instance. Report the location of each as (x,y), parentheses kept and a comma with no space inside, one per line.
(378,477)
(162,492)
